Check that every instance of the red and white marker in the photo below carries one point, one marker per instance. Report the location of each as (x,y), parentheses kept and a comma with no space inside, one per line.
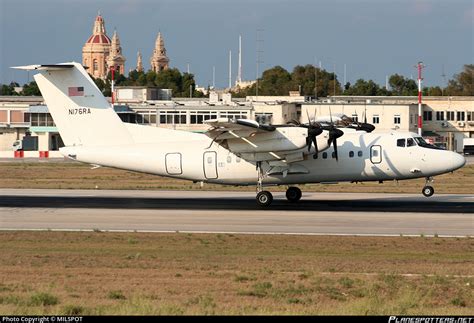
(112,70)
(420,120)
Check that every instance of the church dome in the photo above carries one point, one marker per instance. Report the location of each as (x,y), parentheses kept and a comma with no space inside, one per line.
(98,39)
(99,35)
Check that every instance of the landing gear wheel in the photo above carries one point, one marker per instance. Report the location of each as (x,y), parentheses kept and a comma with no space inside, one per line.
(428,191)
(264,198)
(293,194)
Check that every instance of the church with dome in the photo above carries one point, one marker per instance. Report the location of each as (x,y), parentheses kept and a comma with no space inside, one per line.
(101,54)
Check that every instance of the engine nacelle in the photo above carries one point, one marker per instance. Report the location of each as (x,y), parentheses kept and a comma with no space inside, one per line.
(281,140)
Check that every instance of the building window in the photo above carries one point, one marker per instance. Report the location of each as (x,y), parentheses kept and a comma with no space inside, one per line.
(460,116)
(427,115)
(146,117)
(450,115)
(351,154)
(172,117)
(376,119)
(95,66)
(396,119)
(264,118)
(440,115)
(355,117)
(197,117)
(233,114)
(470,116)
(41,120)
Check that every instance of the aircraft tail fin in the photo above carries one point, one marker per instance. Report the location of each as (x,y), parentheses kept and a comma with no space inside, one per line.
(80,111)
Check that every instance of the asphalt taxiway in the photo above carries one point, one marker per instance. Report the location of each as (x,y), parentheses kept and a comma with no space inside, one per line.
(237,212)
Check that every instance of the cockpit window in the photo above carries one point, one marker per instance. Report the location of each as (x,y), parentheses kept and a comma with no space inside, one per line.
(401,142)
(410,142)
(422,143)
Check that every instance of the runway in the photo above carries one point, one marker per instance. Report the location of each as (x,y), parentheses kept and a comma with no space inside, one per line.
(236,212)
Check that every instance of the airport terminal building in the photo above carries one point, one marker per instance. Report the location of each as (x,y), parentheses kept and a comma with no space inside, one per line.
(446,120)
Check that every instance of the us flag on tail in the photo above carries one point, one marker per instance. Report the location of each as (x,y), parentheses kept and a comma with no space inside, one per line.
(75,91)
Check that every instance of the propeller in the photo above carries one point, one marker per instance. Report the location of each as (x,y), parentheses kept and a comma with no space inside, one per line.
(334,133)
(314,130)
(367,127)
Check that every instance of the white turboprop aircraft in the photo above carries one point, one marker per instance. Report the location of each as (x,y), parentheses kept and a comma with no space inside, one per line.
(232,152)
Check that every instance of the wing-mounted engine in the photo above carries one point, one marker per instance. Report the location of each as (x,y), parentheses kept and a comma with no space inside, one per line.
(255,142)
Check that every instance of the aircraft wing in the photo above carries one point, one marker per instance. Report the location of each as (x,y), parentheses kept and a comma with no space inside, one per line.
(225,128)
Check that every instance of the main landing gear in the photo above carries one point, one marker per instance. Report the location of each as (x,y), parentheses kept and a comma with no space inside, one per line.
(293,194)
(265,198)
(427,189)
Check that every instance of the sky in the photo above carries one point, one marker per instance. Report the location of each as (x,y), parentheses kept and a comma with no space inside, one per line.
(372,38)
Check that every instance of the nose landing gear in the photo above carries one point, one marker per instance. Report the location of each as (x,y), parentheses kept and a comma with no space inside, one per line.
(264,198)
(427,189)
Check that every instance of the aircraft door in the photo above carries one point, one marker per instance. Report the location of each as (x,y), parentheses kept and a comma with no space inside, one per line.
(210,164)
(173,164)
(376,154)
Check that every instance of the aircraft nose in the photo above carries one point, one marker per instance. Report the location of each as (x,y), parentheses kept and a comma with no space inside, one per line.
(457,161)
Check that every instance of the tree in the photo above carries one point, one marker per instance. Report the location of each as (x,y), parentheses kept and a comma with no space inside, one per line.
(31,89)
(7,90)
(274,81)
(463,83)
(402,86)
(170,79)
(362,87)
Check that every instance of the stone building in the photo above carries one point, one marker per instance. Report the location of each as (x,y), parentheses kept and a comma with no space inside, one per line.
(139,67)
(100,53)
(116,59)
(159,61)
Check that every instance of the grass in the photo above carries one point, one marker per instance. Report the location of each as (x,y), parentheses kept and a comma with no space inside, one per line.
(92,273)
(72,175)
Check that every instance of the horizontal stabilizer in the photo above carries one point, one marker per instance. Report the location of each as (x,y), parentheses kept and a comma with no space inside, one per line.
(50,67)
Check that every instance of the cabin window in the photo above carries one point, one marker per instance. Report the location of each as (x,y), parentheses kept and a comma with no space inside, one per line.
(351,154)
(325,155)
(229,159)
(410,142)
(237,159)
(401,142)
(209,160)
(333,155)
(360,153)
